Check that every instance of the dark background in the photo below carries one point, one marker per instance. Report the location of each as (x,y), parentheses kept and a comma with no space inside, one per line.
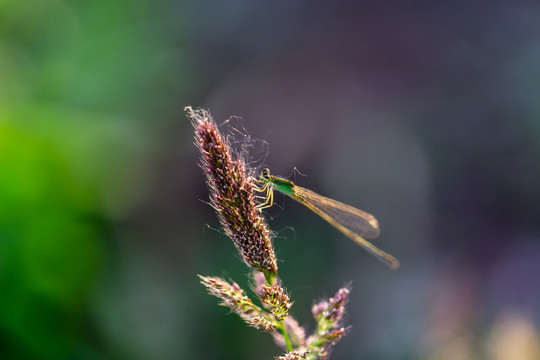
(426,115)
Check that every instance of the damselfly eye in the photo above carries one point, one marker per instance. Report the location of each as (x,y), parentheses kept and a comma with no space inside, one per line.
(265,174)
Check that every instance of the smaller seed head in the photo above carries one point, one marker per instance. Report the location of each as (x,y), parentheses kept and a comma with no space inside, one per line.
(276,300)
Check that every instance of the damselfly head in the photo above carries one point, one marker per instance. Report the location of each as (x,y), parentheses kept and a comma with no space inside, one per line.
(265,174)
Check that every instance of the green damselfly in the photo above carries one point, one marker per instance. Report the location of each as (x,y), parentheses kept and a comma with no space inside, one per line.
(354,223)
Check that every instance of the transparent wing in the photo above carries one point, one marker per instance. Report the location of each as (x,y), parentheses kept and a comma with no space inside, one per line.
(356,220)
(354,223)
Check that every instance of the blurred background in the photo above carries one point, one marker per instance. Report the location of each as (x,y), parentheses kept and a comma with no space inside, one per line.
(425,115)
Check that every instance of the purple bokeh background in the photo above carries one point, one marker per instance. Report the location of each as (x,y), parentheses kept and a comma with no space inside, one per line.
(425,114)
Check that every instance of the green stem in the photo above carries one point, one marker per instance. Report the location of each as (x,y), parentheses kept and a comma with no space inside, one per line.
(286,337)
(269,278)
(270,281)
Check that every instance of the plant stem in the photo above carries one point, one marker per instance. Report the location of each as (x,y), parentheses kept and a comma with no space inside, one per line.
(269,278)
(286,336)
(270,281)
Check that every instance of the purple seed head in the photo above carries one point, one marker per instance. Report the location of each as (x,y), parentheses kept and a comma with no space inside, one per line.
(231,195)
(274,298)
(262,323)
(233,297)
(333,308)
(329,316)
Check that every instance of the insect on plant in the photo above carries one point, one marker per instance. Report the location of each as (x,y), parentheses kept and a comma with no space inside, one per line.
(233,194)
(354,223)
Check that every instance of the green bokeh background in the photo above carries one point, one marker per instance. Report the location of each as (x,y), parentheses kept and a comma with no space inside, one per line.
(426,115)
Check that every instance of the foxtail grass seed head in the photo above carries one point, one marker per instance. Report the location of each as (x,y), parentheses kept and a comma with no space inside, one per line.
(262,323)
(231,195)
(333,308)
(275,299)
(233,297)
(335,334)
(329,316)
